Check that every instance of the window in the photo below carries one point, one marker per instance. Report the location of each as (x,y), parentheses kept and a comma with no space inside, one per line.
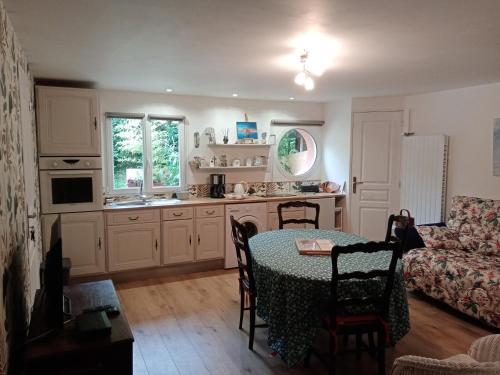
(297,152)
(147,152)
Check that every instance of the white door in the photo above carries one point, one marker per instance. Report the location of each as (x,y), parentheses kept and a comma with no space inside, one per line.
(133,246)
(83,242)
(210,238)
(67,121)
(375,163)
(178,241)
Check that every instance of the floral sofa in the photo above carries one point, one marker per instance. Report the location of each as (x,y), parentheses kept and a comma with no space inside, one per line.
(460,264)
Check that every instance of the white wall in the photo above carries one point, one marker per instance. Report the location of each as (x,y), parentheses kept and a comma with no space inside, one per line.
(466,116)
(219,113)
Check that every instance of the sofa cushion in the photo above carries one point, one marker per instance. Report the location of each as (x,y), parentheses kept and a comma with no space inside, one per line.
(439,237)
(489,247)
(475,217)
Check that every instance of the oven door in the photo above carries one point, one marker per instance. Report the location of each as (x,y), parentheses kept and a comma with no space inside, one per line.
(71,191)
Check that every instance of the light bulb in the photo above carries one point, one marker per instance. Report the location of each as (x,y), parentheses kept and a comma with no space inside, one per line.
(309,84)
(300,78)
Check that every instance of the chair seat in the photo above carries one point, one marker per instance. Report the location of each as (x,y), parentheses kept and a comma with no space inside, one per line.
(356,323)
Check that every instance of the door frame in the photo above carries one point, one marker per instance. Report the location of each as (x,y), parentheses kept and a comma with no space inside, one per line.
(348,220)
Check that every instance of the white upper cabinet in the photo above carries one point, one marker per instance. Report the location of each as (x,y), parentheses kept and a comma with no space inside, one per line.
(67,121)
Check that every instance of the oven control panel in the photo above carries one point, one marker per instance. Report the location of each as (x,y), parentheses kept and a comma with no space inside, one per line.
(61,162)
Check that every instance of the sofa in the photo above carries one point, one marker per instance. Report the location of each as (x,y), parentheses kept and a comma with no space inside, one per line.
(460,263)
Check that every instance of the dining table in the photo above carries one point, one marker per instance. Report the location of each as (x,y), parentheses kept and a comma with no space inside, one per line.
(293,289)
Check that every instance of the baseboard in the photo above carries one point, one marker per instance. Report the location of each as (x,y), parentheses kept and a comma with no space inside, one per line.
(153,272)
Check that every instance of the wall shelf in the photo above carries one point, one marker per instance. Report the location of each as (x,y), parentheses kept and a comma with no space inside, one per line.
(243,168)
(235,145)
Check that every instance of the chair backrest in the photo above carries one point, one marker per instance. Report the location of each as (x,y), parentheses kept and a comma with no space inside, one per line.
(282,221)
(379,302)
(403,224)
(240,240)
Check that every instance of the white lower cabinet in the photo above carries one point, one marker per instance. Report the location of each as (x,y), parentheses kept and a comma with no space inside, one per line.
(133,246)
(198,236)
(326,213)
(210,238)
(83,242)
(178,241)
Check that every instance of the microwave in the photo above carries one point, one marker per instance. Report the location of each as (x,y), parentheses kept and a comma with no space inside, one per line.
(70,184)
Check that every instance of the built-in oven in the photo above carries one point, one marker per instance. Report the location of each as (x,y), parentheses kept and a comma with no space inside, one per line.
(70,184)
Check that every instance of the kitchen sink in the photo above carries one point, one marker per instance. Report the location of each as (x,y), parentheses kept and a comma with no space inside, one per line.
(147,202)
(281,195)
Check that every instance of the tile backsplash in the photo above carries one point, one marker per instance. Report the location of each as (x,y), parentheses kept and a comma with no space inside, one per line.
(261,188)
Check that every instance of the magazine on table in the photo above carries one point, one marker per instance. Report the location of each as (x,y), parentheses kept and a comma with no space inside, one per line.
(314,246)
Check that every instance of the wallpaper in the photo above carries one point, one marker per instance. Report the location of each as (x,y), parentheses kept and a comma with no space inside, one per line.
(16,290)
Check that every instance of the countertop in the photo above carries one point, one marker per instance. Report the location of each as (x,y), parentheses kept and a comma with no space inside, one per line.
(159,203)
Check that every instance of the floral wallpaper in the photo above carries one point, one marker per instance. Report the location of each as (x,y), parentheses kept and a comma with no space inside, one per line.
(14,233)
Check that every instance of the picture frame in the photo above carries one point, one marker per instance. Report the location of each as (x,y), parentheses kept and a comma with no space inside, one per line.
(496,148)
(246,130)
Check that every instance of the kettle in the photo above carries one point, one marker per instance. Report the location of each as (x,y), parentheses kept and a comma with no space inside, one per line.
(241,187)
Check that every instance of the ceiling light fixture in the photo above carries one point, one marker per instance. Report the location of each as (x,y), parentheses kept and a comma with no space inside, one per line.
(169,90)
(292,98)
(304,78)
(235,95)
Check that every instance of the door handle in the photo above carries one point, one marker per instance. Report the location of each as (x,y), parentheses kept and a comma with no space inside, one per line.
(354,183)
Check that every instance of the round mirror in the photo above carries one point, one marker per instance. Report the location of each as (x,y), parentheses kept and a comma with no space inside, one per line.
(297,152)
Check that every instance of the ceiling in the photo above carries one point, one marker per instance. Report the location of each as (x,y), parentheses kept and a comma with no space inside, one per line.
(221,47)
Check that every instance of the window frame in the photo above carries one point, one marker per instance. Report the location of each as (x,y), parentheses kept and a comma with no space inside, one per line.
(146,154)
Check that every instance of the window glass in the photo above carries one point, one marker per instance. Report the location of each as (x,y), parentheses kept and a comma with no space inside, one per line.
(165,153)
(128,152)
(297,152)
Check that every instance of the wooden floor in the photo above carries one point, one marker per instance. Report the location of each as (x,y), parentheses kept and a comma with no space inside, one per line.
(188,325)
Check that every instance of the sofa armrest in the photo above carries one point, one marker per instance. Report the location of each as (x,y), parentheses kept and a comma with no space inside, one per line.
(414,365)
(486,349)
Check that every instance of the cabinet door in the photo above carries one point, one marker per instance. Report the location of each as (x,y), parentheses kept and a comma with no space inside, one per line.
(273,221)
(133,246)
(82,237)
(210,238)
(326,213)
(67,121)
(178,241)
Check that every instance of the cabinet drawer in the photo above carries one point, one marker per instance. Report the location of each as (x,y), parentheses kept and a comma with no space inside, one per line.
(210,211)
(273,206)
(133,217)
(177,213)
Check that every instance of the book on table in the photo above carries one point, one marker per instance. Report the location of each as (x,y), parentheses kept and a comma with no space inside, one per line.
(314,246)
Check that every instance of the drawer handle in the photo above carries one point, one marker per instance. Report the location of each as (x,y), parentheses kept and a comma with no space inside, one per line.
(210,212)
(99,243)
(133,218)
(177,214)
(198,239)
(156,245)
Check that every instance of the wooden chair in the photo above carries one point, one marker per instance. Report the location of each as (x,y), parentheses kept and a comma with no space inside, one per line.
(339,322)
(246,278)
(282,221)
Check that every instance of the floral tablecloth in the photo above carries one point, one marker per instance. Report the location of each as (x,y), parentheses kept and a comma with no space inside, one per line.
(292,288)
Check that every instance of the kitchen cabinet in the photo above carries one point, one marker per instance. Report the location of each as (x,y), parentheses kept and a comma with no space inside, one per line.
(190,235)
(209,238)
(67,121)
(178,241)
(326,213)
(83,241)
(132,246)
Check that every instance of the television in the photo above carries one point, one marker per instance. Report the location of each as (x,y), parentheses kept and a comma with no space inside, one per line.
(50,305)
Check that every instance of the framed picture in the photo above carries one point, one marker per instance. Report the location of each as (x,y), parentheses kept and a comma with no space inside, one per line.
(246,129)
(496,148)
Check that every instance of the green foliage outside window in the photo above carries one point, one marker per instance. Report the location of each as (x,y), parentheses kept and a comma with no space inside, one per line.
(291,143)
(128,152)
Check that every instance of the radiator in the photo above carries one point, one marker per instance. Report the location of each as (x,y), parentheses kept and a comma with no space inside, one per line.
(423,177)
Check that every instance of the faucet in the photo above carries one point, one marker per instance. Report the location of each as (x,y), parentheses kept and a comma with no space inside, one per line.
(141,193)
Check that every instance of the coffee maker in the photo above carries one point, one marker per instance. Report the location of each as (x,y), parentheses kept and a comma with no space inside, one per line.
(217,182)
